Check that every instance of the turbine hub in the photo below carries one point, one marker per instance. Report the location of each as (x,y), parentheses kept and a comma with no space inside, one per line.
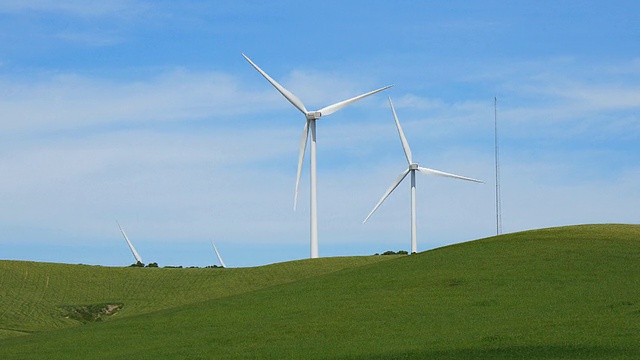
(413,166)
(314,115)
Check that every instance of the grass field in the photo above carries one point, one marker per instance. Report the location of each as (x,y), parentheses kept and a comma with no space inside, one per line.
(566,293)
(32,294)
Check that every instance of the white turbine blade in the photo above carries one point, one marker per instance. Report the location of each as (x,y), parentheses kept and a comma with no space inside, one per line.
(337,106)
(442,173)
(403,139)
(386,194)
(303,147)
(218,254)
(286,93)
(133,250)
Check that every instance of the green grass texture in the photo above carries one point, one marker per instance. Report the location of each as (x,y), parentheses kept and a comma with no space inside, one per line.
(561,293)
(34,296)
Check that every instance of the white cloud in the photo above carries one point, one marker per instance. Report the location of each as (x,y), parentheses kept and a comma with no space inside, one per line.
(597,98)
(71,101)
(543,195)
(187,155)
(178,184)
(417,102)
(91,38)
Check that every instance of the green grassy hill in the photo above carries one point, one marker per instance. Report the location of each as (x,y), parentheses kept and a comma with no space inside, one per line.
(571,292)
(34,296)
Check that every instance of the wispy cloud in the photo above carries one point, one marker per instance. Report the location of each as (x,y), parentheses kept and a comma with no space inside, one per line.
(91,38)
(72,101)
(596,98)
(158,178)
(185,154)
(417,102)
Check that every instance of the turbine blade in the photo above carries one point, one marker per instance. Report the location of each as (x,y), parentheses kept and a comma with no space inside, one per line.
(403,139)
(133,250)
(442,173)
(303,147)
(286,93)
(337,106)
(218,255)
(386,194)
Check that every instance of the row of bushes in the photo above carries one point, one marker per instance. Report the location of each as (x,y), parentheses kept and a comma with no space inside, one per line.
(139,264)
(155,265)
(401,252)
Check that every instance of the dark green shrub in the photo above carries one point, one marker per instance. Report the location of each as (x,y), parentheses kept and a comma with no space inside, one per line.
(401,252)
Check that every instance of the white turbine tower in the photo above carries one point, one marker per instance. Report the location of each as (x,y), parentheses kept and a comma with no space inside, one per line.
(218,255)
(133,250)
(411,169)
(311,117)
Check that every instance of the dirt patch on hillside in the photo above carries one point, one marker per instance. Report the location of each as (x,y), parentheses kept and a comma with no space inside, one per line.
(90,313)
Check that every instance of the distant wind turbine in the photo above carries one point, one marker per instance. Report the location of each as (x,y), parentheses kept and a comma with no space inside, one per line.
(311,117)
(133,250)
(218,255)
(411,169)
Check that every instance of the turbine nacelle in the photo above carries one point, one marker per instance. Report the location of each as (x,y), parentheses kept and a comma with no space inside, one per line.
(413,166)
(313,115)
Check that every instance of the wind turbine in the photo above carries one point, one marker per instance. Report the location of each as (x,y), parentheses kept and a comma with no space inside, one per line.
(311,117)
(133,250)
(218,255)
(411,169)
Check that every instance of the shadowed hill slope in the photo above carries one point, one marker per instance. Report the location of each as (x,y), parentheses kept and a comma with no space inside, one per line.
(571,292)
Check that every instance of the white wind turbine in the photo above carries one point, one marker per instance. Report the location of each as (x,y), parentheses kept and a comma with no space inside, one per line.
(311,117)
(133,250)
(411,169)
(218,255)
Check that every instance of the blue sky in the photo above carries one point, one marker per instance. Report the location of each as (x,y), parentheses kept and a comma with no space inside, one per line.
(145,112)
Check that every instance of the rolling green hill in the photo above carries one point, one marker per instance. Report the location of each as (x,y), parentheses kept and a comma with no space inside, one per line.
(33,296)
(570,292)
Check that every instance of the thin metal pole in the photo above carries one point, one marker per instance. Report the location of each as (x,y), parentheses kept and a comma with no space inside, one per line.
(314,194)
(414,222)
(497,160)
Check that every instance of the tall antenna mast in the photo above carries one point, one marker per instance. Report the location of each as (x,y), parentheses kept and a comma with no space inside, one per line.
(497,160)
